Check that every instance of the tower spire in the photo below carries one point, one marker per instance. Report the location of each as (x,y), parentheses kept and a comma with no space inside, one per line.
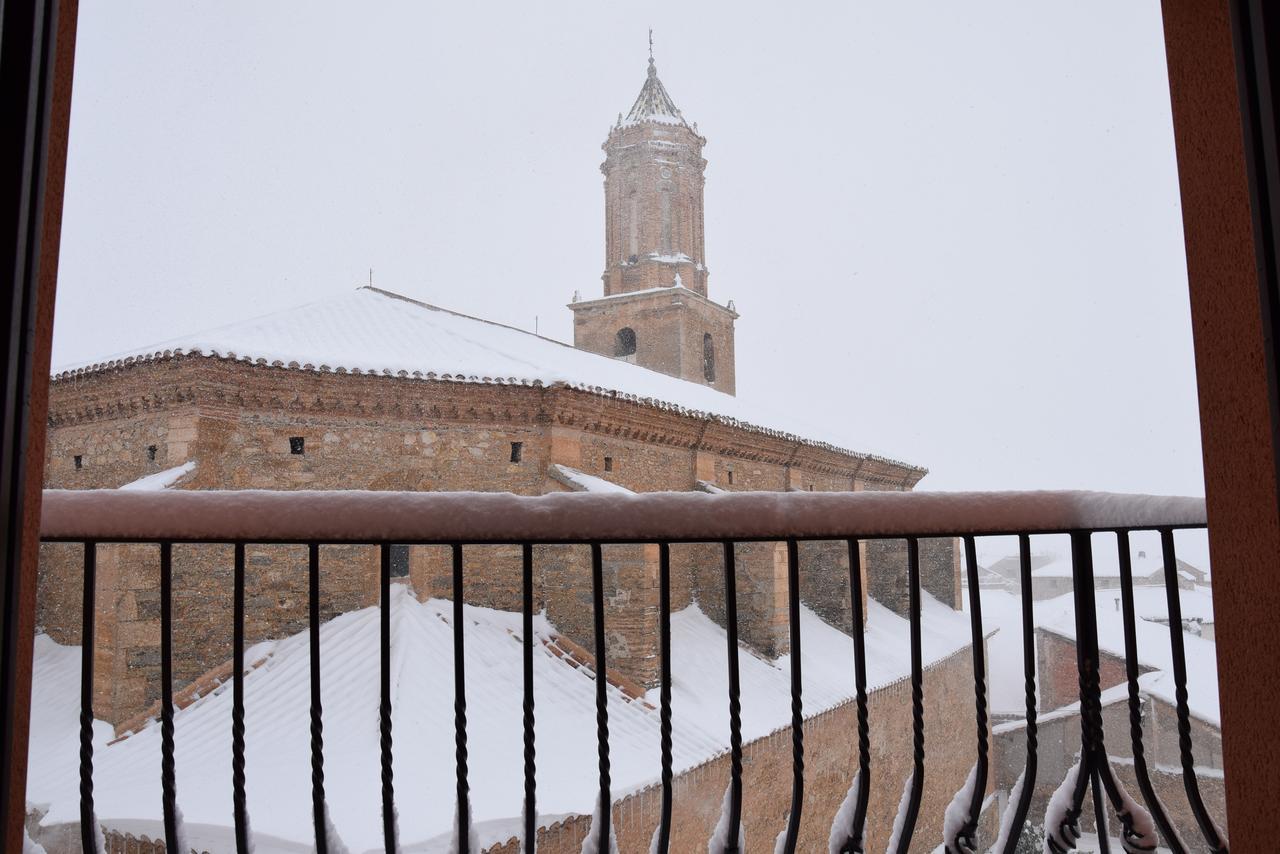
(651,47)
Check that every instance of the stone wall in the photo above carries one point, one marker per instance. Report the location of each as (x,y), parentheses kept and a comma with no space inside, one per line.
(1058,671)
(1058,738)
(830,762)
(239,423)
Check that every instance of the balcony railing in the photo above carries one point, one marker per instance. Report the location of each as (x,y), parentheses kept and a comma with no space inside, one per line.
(453,520)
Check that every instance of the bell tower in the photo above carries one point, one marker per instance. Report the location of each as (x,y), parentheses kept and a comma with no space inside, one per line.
(655,311)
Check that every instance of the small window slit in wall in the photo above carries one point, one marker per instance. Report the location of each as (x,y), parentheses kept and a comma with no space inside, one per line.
(151,453)
(79,461)
(731,477)
(608,463)
(517,451)
(297,445)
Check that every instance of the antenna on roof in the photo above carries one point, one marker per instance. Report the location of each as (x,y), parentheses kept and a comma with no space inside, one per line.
(370,277)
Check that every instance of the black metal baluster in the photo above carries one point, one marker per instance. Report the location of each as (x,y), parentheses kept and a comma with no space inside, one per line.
(663,839)
(384,706)
(1167,831)
(797,707)
(1100,816)
(602,700)
(1029,684)
(460,707)
(317,710)
(857,830)
(1087,670)
(530,765)
(732,843)
(965,839)
(917,699)
(239,809)
(168,786)
(1210,831)
(88,820)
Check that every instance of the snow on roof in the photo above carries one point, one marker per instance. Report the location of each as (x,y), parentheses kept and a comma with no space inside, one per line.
(371,331)
(1002,610)
(653,104)
(161,479)
(583,482)
(277,741)
(1107,565)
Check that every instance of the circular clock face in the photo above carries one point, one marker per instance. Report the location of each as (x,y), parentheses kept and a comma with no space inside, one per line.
(665,172)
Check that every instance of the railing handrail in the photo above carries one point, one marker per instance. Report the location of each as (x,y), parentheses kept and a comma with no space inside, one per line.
(361,516)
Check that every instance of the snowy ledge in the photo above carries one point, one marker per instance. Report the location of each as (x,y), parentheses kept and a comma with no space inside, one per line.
(357,516)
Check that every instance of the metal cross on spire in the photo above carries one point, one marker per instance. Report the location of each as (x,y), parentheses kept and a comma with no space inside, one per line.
(651,44)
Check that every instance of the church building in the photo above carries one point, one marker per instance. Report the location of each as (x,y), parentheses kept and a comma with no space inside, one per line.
(376,390)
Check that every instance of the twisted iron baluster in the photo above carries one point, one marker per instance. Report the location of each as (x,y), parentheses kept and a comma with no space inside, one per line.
(168,786)
(240,811)
(797,705)
(857,830)
(1087,669)
(460,707)
(88,820)
(1216,842)
(1029,686)
(318,817)
(530,765)
(602,699)
(1167,830)
(917,699)
(384,705)
(732,842)
(663,838)
(964,840)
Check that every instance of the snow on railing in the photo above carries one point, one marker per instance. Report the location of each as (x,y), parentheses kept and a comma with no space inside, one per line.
(486,517)
(603,518)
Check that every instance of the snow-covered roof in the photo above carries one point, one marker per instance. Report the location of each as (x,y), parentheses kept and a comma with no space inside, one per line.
(653,104)
(1144,565)
(161,479)
(277,743)
(1003,611)
(582,482)
(372,331)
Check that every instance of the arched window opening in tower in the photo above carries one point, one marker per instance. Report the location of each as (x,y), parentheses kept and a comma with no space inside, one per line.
(708,358)
(625,343)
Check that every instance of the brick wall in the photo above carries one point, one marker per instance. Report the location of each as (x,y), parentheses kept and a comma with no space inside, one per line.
(375,432)
(1059,673)
(830,761)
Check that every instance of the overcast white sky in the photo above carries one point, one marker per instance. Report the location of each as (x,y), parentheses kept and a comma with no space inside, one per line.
(952,230)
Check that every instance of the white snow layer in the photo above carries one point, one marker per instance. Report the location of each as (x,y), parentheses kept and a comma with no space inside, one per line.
(1143,835)
(842,825)
(378,332)
(957,812)
(583,482)
(719,840)
(1055,813)
(1010,812)
(591,844)
(162,479)
(900,819)
(278,743)
(477,517)
(1003,611)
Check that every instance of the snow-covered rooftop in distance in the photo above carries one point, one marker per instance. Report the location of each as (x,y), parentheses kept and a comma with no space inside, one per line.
(277,744)
(653,104)
(1002,610)
(372,331)
(1143,563)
